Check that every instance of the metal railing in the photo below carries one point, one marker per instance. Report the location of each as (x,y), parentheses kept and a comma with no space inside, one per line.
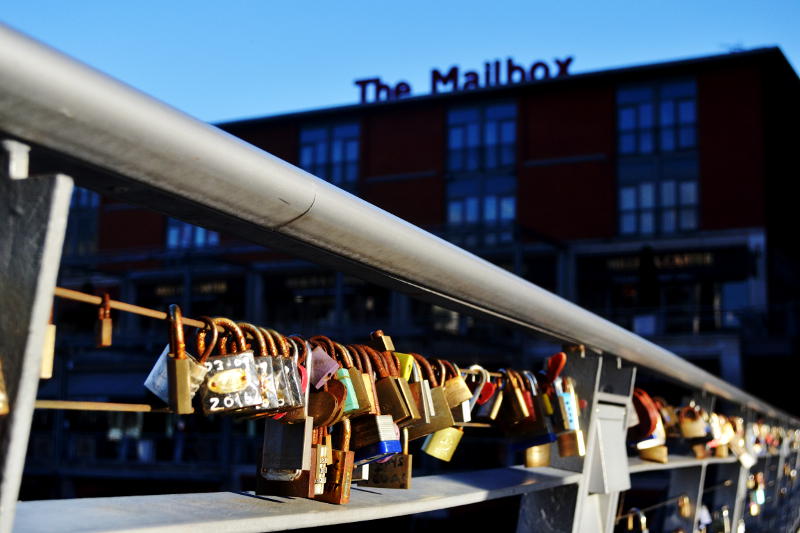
(126,144)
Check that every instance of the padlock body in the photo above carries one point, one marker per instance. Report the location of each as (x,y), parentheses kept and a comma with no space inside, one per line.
(571,444)
(48,352)
(538,455)
(5,407)
(338,478)
(350,400)
(370,429)
(104,332)
(443,443)
(158,381)
(180,395)
(390,399)
(287,446)
(377,451)
(462,413)
(443,417)
(393,474)
(231,383)
(408,399)
(456,391)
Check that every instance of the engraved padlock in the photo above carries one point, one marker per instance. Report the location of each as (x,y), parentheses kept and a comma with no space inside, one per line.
(394,473)
(443,443)
(340,472)
(232,380)
(441,417)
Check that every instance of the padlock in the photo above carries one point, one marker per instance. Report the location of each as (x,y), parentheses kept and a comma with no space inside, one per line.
(48,350)
(394,473)
(455,388)
(443,443)
(442,417)
(179,369)
(340,472)
(286,448)
(263,348)
(323,366)
(421,392)
(350,405)
(158,380)
(636,518)
(656,454)
(406,364)
(232,380)
(571,442)
(684,504)
(463,413)
(381,342)
(5,404)
(294,381)
(692,423)
(538,425)
(361,363)
(357,379)
(105,326)
(538,455)
(291,484)
(390,396)
(393,366)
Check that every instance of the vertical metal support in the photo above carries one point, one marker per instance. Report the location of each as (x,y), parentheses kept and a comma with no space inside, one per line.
(34,213)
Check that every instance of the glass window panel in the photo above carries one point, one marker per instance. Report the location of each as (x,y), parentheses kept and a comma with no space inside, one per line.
(627,118)
(490,157)
(471,159)
(473,135)
(667,139)
(668,220)
(456,159)
(345,130)
(490,208)
(505,236)
(688,218)
(629,95)
(462,116)
(312,135)
(173,234)
(507,154)
(352,151)
(667,113)
(646,222)
(627,198)
(646,142)
(186,235)
(471,210)
(668,193)
(336,173)
(646,116)
(456,137)
(508,208)
(306,156)
(337,151)
(455,212)
(490,136)
(686,112)
(501,111)
(647,195)
(678,89)
(627,143)
(686,137)
(508,132)
(213,238)
(627,223)
(199,237)
(351,172)
(688,195)
(321,153)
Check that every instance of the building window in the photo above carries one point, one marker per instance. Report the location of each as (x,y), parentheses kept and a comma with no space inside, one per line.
(481,211)
(182,235)
(482,138)
(657,118)
(81,235)
(658,166)
(331,152)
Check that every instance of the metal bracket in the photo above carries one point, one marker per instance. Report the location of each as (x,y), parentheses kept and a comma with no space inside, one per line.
(15,159)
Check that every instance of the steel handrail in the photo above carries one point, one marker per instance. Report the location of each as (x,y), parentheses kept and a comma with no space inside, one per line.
(154,154)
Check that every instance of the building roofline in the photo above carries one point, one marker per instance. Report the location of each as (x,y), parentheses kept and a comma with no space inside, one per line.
(770,51)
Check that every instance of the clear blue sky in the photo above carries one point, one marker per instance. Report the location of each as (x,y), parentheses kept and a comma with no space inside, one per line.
(238,58)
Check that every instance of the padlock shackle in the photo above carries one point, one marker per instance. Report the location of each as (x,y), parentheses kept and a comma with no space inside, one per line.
(104,311)
(269,341)
(302,347)
(205,350)
(428,369)
(344,435)
(232,329)
(177,341)
(392,366)
(484,377)
(377,361)
(281,342)
(345,358)
(260,341)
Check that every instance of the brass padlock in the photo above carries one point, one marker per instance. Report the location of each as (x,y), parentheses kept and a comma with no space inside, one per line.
(356,377)
(361,363)
(380,341)
(538,455)
(463,413)
(105,326)
(179,370)
(455,388)
(656,454)
(421,392)
(443,443)
(692,423)
(637,517)
(232,380)
(394,473)
(393,365)
(340,472)
(390,396)
(442,417)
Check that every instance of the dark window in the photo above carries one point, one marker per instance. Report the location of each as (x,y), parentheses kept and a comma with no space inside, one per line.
(182,235)
(482,138)
(81,236)
(331,152)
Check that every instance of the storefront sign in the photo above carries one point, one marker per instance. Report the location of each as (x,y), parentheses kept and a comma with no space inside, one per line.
(493,74)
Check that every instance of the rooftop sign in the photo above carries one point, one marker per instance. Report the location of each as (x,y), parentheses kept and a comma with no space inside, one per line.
(493,74)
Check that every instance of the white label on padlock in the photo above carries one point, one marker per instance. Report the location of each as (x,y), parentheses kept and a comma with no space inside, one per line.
(157,381)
